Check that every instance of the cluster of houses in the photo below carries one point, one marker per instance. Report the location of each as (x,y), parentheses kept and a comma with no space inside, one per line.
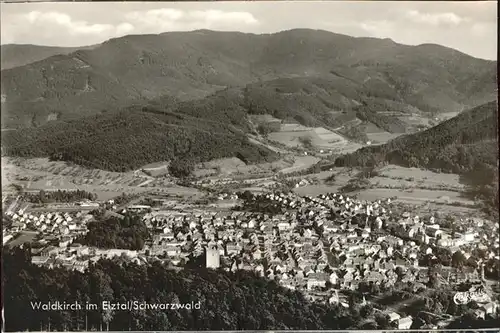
(56,223)
(331,242)
(55,232)
(317,245)
(78,257)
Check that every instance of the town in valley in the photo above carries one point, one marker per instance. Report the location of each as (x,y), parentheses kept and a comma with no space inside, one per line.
(220,166)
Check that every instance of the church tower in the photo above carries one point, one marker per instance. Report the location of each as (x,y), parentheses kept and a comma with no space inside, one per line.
(212,258)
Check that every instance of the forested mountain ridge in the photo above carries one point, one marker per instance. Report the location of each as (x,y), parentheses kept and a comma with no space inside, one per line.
(459,145)
(128,139)
(316,101)
(15,55)
(158,124)
(466,144)
(310,101)
(166,128)
(192,65)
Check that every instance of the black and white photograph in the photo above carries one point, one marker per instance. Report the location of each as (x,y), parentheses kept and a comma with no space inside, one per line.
(249,166)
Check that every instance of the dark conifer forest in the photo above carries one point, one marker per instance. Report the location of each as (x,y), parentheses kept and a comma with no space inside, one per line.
(229,301)
(238,300)
(114,233)
(59,196)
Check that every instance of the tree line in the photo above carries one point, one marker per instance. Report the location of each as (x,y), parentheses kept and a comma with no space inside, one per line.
(229,301)
(104,141)
(239,300)
(461,144)
(43,197)
(115,233)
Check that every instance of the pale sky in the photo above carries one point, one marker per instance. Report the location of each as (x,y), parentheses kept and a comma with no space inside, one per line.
(470,27)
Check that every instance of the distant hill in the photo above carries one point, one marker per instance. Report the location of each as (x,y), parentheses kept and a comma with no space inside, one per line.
(462,144)
(466,144)
(15,55)
(193,65)
(311,101)
(136,136)
(229,301)
(160,129)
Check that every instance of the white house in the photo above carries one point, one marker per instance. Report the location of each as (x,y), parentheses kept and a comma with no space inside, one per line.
(405,323)
(393,316)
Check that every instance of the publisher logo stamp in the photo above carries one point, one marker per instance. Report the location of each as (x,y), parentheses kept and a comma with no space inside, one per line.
(469,296)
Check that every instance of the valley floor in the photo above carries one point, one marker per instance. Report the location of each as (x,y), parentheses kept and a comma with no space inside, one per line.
(421,188)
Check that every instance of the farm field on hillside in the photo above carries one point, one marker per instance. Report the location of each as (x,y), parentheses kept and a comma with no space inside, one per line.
(382,137)
(41,174)
(23,237)
(230,166)
(291,135)
(301,163)
(410,185)
(414,196)
(416,174)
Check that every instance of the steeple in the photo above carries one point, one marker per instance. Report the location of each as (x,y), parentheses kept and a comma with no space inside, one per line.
(212,257)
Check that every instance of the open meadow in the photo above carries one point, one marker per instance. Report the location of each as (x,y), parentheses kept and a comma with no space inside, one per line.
(41,174)
(409,185)
(293,135)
